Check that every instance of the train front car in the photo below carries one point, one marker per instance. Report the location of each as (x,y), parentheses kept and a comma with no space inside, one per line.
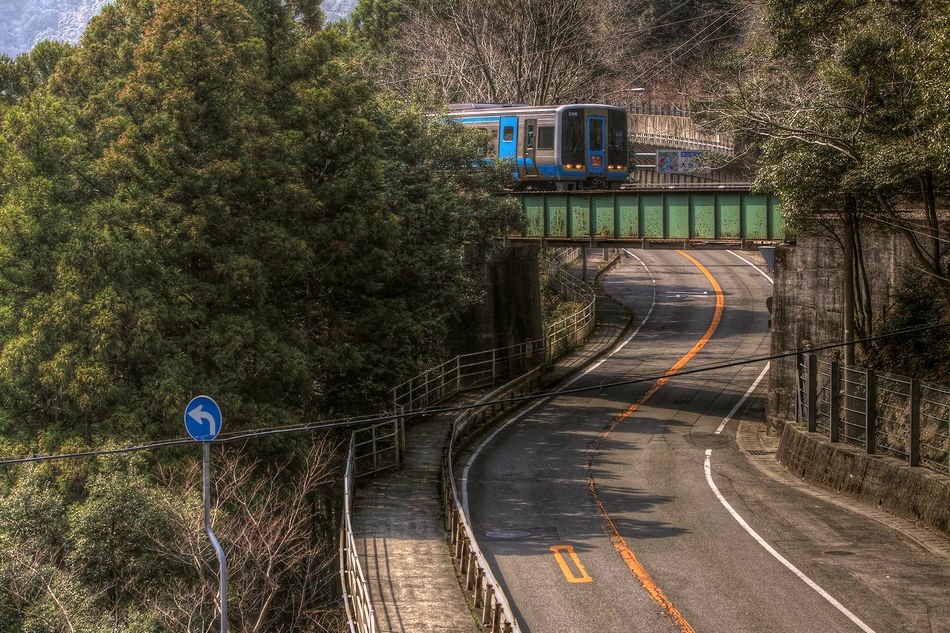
(554,147)
(592,147)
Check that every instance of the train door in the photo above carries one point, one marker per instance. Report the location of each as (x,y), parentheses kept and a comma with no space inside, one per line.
(527,166)
(596,145)
(508,143)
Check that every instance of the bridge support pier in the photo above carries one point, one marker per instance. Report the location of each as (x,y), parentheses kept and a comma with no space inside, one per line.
(511,310)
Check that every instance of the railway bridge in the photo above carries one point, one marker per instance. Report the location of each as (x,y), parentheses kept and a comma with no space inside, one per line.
(694,216)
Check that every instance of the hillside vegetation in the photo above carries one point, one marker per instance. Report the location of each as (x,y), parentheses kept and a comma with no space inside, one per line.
(209,197)
(847,108)
(231,198)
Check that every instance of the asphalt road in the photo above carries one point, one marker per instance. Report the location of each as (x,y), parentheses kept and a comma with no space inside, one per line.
(607,510)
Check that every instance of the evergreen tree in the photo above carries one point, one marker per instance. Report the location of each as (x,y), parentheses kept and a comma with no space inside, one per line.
(842,103)
(207,197)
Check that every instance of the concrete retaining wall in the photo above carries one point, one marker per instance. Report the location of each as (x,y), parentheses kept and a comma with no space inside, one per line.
(511,309)
(918,494)
(808,307)
(808,303)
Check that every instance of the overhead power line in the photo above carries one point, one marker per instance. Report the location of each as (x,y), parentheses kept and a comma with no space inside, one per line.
(347,422)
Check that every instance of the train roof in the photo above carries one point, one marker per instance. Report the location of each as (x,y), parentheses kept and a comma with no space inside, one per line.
(483,109)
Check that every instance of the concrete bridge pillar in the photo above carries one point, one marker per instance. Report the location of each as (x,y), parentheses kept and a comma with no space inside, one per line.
(511,311)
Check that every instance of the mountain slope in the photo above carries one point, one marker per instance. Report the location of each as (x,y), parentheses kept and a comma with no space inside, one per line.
(23,23)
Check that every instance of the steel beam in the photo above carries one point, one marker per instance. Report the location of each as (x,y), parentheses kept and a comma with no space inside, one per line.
(699,216)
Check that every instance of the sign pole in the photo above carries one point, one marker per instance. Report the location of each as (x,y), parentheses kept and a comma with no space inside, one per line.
(222,562)
(203,422)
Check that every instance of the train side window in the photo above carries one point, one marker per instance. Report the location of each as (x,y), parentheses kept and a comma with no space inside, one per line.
(546,137)
(509,134)
(529,137)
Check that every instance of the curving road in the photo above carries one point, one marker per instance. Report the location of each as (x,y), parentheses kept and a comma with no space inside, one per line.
(631,508)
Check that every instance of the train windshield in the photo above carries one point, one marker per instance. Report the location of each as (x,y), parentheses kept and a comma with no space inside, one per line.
(617,137)
(572,136)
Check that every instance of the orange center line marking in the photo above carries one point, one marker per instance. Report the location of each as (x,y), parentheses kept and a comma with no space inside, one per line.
(568,572)
(609,527)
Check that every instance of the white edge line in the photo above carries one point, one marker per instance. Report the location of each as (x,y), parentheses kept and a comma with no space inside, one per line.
(520,415)
(745,397)
(707,467)
(761,272)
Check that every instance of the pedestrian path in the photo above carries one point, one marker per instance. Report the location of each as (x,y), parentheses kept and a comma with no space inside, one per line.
(401,543)
(397,520)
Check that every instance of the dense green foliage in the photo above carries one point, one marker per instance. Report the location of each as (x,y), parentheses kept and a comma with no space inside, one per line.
(208,198)
(846,106)
(922,355)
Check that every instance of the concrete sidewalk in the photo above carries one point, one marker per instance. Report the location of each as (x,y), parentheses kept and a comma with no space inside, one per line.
(397,516)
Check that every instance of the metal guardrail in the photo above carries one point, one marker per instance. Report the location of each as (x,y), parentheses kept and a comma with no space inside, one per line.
(489,601)
(382,446)
(680,141)
(563,335)
(882,413)
(488,368)
(372,449)
(464,373)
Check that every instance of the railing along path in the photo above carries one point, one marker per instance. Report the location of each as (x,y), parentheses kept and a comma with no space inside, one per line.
(382,446)
(488,368)
(490,603)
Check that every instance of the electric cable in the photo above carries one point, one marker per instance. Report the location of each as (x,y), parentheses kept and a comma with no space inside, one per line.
(340,423)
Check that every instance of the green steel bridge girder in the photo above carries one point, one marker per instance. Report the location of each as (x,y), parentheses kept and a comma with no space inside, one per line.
(632,217)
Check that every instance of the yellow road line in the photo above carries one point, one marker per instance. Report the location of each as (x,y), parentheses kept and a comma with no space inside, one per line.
(568,572)
(618,541)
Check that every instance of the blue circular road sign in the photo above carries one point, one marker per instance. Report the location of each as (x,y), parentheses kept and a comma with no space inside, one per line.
(203,419)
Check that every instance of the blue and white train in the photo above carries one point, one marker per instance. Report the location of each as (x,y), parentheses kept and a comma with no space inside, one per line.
(564,147)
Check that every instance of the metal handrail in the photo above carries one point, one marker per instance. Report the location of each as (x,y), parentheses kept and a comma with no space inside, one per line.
(486,368)
(356,597)
(489,601)
(572,329)
(386,448)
